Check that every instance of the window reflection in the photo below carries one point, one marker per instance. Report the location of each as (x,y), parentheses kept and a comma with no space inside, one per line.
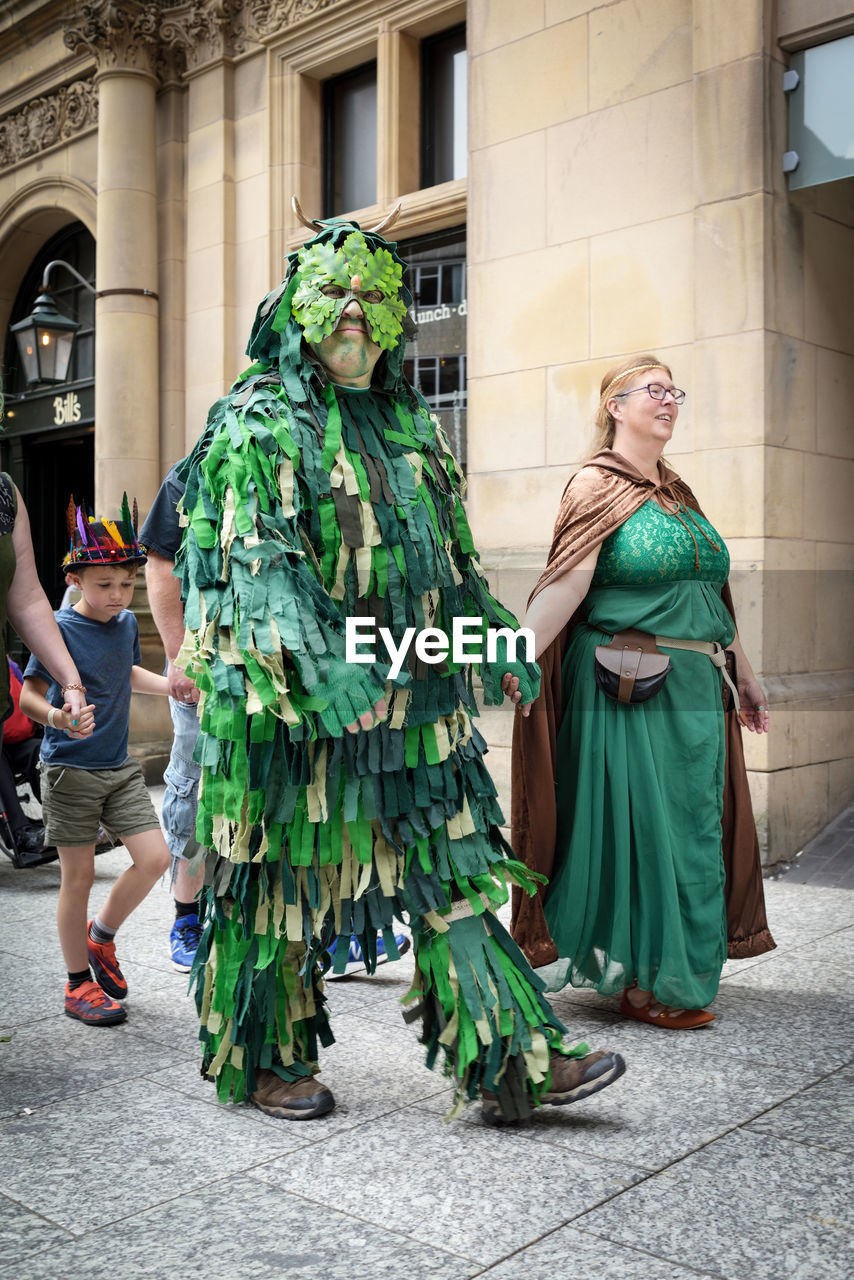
(821,111)
(444,114)
(350,141)
(436,361)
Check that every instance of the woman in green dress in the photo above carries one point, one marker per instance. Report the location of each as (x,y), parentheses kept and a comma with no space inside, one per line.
(635,903)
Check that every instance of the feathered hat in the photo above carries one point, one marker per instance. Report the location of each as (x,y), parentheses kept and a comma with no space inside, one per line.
(103,541)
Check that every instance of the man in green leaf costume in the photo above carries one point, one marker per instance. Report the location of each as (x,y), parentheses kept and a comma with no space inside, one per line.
(335,799)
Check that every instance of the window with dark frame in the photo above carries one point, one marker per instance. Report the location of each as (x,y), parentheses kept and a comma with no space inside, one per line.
(436,356)
(440,379)
(350,141)
(444,114)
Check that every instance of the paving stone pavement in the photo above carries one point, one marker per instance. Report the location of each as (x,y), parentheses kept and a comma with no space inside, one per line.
(828,859)
(725,1152)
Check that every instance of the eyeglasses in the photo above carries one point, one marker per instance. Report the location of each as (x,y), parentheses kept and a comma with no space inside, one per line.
(657,391)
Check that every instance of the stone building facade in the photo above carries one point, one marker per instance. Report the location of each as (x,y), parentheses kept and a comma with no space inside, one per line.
(622,190)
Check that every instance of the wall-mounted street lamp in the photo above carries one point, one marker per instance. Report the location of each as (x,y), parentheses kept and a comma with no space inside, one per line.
(46,338)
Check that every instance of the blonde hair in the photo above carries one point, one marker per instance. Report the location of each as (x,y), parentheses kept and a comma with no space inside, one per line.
(615,377)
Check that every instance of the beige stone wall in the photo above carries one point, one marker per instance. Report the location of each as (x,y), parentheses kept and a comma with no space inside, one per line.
(210,241)
(624,193)
(644,208)
(214,238)
(255,269)
(592,255)
(228,214)
(809,473)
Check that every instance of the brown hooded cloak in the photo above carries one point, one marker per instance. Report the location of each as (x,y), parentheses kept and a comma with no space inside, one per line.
(597,500)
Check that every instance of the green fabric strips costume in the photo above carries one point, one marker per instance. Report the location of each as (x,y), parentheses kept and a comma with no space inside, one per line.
(307,502)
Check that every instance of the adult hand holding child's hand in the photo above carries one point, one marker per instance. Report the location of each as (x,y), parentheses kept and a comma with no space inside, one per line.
(81,719)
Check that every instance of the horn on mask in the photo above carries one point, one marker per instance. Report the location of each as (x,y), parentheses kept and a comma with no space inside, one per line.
(314,225)
(388,220)
(311,223)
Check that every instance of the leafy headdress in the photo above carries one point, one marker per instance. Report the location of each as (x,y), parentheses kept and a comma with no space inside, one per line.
(298,312)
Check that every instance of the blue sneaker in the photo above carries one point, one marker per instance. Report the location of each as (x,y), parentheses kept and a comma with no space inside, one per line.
(356,961)
(183,941)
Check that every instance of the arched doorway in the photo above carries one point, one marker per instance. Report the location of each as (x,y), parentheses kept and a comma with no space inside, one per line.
(48,445)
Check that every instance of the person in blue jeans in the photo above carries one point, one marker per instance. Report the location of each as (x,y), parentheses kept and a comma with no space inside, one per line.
(179,825)
(161,536)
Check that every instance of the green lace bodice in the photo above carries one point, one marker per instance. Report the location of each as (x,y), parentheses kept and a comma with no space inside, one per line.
(651,575)
(656,546)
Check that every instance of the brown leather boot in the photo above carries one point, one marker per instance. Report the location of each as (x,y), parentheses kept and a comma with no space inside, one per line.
(572,1079)
(576,1078)
(291,1100)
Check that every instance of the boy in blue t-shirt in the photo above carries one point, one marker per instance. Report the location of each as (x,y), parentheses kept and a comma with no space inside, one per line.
(90,781)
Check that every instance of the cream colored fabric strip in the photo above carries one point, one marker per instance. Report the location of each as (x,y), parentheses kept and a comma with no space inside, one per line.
(714,651)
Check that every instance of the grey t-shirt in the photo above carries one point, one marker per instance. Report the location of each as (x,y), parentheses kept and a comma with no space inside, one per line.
(161,531)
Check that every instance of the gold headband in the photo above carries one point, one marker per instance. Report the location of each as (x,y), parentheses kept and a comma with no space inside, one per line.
(635,369)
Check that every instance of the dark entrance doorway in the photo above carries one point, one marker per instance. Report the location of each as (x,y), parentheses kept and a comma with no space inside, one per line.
(53,467)
(48,441)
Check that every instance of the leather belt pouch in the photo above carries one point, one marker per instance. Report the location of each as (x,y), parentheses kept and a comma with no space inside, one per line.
(631,668)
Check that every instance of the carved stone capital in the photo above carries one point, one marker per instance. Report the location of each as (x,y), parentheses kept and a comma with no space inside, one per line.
(200,31)
(266,18)
(53,118)
(120,34)
(166,38)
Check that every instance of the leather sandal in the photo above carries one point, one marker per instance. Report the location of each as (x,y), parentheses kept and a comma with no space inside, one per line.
(662,1015)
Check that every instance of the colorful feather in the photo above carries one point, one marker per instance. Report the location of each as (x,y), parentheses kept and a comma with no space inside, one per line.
(127,523)
(101,541)
(114,532)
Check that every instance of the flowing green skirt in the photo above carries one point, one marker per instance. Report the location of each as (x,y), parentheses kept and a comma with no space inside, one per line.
(637,894)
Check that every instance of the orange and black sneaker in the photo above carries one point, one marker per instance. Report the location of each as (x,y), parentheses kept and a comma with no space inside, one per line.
(105,966)
(88,1003)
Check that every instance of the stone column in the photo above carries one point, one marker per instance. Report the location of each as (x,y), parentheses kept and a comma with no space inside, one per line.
(205,34)
(171,252)
(399,110)
(202,36)
(122,35)
(213,351)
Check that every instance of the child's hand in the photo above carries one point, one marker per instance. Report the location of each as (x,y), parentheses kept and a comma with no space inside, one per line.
(75,701)
(81,723)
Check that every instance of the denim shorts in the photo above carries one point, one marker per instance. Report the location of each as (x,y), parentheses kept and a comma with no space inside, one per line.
(75,802)
(182,783)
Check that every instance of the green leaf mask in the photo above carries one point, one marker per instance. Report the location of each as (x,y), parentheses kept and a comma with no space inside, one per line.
(321,264)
